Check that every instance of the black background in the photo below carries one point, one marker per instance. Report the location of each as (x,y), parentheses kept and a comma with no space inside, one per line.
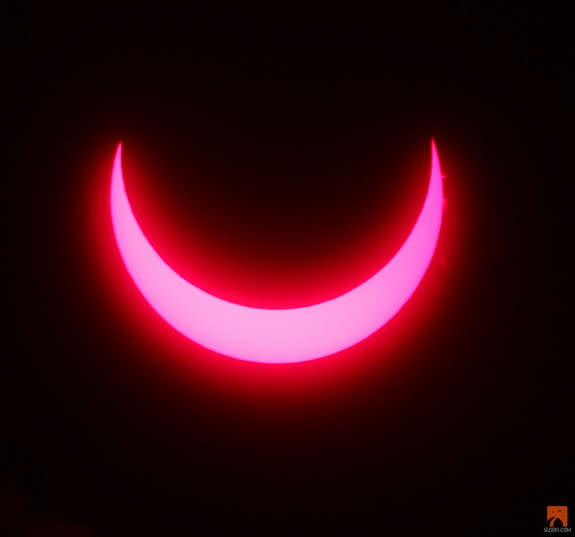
(284,147)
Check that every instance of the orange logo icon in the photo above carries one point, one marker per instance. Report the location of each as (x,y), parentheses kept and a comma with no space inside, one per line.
(557,515)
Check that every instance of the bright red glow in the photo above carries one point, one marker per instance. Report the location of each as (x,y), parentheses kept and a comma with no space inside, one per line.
(277,335)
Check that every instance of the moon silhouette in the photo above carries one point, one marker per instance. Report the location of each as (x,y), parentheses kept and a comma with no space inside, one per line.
(277,335)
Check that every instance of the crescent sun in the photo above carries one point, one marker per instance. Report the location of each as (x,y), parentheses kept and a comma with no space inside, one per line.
(277,335)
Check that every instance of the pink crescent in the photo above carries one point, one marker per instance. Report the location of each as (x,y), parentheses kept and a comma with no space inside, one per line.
(277,335)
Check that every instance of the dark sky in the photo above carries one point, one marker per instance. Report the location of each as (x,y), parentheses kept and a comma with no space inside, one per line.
(278,158)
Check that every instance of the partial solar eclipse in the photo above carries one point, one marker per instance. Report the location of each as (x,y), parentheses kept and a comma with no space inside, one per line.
(277,335)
